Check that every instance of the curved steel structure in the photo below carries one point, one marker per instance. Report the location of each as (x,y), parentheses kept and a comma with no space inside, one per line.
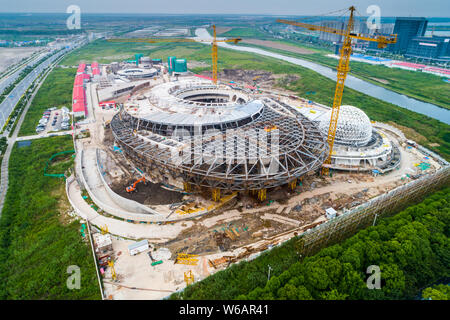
(258,144)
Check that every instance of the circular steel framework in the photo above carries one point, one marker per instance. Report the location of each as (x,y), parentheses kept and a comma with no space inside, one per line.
(251,145)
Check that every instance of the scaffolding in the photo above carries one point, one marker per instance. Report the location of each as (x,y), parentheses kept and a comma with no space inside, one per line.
(348,223)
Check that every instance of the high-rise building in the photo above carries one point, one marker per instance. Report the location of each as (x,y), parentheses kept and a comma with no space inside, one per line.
(407,29)
(432,48)
(326,36)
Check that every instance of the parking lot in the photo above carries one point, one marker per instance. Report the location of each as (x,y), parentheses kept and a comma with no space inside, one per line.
(54,119)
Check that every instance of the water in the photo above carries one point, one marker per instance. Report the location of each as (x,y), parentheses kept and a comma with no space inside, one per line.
(352,82)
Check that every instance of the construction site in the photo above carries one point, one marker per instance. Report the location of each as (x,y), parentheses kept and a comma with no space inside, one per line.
(183,174)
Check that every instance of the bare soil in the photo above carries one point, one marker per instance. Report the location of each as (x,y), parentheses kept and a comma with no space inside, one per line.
(220,30)
(9,56)
(277,45)
(148,194)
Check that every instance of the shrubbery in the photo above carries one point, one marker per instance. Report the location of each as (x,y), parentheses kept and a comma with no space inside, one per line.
(37,241)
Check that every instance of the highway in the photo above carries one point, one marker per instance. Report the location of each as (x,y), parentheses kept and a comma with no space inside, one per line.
(14,96)
(51,62)
(8,80)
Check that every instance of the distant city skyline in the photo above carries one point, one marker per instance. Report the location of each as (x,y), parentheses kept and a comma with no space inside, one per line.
(406,8)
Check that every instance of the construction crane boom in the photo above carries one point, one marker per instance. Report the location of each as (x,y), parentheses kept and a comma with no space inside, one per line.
(381,39)
(214,42)
(342,69)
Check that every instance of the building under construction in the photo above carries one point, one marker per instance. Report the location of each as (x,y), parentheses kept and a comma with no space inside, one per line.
(195,135)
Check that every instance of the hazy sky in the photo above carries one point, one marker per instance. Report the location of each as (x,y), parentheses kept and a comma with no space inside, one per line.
(428,8)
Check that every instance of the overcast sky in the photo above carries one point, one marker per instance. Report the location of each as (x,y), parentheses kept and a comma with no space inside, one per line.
(427,8)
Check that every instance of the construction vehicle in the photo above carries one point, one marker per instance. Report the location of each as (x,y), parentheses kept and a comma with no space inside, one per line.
(104,230)
(188,277)
(213,42)
(113,271)
(104,260)
(154,262)
(343,67)
(132,188)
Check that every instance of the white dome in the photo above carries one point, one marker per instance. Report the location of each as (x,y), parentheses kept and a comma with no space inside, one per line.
(353,128)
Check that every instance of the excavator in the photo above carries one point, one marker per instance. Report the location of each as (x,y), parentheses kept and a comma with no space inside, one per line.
(132,188)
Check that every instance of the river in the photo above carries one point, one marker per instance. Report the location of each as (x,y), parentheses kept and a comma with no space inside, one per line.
(352,82)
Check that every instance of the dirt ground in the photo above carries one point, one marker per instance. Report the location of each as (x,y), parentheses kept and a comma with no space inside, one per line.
(261,78)
(277,45)
(148,194)
(220,30)
(10,56)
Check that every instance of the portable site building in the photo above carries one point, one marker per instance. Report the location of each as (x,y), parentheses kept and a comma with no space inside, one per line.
(137,247)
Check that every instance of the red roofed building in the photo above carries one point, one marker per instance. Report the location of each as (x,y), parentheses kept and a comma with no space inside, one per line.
(203,77)
(79,109)
(408,66)
(79,80)
(81,68)
(438,71)
(79,101)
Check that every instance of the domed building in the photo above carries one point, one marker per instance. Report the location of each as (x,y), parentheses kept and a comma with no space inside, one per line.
(353,128)
(358,146)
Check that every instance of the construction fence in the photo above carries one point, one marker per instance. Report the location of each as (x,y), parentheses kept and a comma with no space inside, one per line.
(350,222)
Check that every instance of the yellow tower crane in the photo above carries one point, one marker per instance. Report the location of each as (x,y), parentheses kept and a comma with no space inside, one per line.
(343,67)
(213,42)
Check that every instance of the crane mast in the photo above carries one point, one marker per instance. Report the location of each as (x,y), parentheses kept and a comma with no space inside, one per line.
(342,69)
(214,56)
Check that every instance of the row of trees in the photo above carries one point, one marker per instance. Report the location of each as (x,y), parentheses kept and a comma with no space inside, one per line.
(411,250)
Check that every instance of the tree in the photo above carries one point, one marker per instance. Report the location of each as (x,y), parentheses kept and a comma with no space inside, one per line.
(438,292)
(333,295)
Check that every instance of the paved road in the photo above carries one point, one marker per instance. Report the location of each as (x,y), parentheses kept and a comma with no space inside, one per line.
(13,98)
(14,138)
(7,80)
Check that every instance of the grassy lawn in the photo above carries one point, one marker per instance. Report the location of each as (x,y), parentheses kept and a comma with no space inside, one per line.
(418,85)
(245,32)
(38,240)
(423,129)
(103,51)
(56,91)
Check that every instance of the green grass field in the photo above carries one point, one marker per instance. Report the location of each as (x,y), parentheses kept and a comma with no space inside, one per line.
(103,51)
(245,32)
(38,240)
(56,91)
(418,85)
